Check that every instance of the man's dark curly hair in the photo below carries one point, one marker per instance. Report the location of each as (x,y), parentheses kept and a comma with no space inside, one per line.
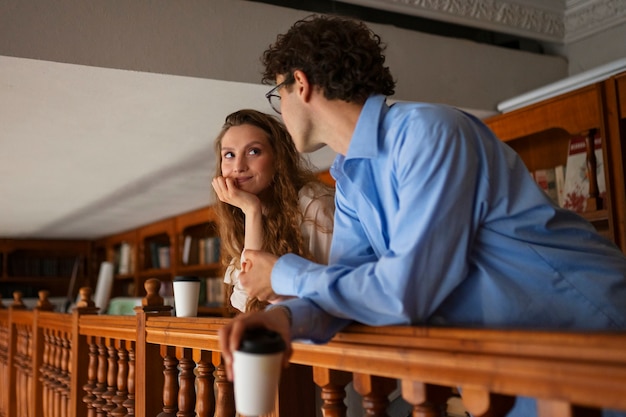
(340,55)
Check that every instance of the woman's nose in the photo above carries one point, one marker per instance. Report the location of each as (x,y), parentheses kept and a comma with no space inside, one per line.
(240,165)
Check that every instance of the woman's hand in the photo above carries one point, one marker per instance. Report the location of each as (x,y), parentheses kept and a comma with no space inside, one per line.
(228,192)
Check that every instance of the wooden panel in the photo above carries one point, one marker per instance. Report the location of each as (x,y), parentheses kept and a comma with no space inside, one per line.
(202,215)
(574,112)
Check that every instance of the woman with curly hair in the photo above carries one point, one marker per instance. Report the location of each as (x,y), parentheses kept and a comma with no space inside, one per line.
(268,198)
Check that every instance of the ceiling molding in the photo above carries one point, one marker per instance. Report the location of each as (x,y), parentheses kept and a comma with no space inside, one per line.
(556,21)
(530,19)
(584,18)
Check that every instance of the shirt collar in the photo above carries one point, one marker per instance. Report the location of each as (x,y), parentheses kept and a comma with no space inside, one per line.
(365,137)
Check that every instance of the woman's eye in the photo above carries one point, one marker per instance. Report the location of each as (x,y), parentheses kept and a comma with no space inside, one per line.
(228,155)
(254,151)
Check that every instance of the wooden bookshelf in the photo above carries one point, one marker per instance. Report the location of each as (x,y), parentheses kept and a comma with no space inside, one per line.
(31,265)
(144,243)
(540,133)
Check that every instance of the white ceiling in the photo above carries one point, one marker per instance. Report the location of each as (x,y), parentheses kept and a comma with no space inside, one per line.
(87,148)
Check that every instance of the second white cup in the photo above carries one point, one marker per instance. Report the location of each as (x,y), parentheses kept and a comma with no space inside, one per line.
(186,296)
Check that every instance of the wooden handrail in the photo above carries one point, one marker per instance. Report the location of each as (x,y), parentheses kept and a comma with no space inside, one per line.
(158,364)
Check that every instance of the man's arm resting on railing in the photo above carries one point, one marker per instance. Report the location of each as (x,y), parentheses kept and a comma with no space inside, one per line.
(292,319)
(309,322)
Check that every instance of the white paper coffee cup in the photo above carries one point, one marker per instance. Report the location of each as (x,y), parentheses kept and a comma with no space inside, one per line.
(186,295)
(257,366)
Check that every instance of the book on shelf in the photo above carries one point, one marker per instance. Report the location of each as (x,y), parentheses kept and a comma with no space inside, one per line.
(200,250)
(164,257)
(214,292)
(546,179)
(124,259)
(186,249)
(159,255)
(576,184)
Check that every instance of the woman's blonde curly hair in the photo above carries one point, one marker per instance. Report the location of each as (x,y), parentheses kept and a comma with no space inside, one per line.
(281,213)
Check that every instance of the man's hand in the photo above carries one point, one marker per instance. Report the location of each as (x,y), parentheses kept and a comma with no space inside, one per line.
(276,319)
(256,275)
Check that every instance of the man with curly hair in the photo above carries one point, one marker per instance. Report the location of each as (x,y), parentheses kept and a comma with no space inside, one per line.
(437,222)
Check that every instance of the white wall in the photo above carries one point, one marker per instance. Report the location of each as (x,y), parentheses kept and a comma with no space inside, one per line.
(601,48)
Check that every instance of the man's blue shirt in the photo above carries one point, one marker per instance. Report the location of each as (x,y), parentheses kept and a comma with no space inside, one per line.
(438,222)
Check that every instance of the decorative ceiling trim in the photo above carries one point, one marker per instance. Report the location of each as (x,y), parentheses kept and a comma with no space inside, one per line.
(563,86)
(519,18)
(584,18)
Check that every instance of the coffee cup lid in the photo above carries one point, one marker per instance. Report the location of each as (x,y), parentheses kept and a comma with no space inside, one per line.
(261,340)
(183,279)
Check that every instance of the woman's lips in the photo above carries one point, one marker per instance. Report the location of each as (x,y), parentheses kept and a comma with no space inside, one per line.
(242,180)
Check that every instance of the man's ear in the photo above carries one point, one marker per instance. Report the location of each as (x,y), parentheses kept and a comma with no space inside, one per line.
(301,85)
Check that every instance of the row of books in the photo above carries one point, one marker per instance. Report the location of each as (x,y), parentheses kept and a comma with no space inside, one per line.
(568,185)
(196,251)
(200,250)
(213,292)
(26,265)
(159,255)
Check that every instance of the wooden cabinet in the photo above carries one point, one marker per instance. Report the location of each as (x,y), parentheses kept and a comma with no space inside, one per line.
(31,265)
(540,133)
(183,245)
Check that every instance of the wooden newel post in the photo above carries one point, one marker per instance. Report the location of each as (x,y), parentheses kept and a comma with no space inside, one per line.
(79,354)
(44,304)
(149,378)
(18,303)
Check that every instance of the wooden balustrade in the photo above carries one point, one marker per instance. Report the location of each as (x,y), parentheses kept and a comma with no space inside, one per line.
(155,365)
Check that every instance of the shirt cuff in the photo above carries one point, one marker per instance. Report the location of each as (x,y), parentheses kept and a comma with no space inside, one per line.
(285,274)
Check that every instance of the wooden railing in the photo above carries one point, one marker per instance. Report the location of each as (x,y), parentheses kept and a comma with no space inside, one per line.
(155,365)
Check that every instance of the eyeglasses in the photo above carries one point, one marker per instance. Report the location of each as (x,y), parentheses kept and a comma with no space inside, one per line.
(274,98)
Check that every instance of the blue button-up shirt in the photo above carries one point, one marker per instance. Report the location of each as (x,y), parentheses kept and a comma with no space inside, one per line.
(438,222)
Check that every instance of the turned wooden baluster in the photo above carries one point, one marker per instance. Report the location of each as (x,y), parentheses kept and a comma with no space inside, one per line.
(111,377)
(4,370)
(58,377)
(29,373)
(43,372)
(375,391)
(225,402)
(64,378)
(594,201)
(22,374)
(333,390)
(205,400)
(4,343)
(427,400)
(129,404)
(481,403)
(121,395)
(92,374)
(186,391)
(52,374)
(170,382)
(101,380)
